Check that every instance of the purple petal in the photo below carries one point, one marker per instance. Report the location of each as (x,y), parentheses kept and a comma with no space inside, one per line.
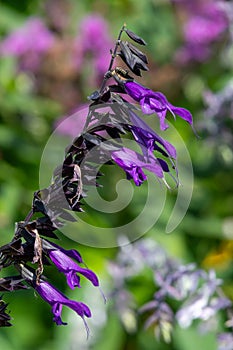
(72,279)
(143,131)
(145,105)
(155,168)
(89,275)
(56,299)
(130,162)
(158,101)
(80,308)
(162,116)
(67,266)
(163,165)
(183,113)
(72,253)
(133,164)
(135,90)
(56,310)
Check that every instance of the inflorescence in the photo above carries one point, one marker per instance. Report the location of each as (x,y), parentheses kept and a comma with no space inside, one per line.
(110,118)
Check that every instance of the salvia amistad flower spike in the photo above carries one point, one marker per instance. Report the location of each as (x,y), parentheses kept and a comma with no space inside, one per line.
(155,102)
(71,180)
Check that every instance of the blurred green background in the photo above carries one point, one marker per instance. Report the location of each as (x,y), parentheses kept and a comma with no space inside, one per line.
(32,101)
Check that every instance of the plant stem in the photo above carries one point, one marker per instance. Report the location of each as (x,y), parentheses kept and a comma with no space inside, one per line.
(106,76)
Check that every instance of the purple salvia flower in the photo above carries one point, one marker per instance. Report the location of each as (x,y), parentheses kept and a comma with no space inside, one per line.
(65,264)
(133,164)
(155,102)
(56,299)
(147,137)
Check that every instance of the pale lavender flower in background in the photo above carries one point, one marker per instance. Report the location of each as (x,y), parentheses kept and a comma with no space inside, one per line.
(225,341)
(197,291)
(162,317)
(28,43)
(204,304)
(218,121)
(180,283)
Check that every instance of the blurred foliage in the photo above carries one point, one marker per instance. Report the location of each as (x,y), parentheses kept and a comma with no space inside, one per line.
(31,104)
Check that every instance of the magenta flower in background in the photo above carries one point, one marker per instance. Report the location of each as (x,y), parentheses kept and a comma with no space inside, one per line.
(93,30)
(155,102)
(72,124)
(28,43)
(205,24)
(93,38)
(205,27)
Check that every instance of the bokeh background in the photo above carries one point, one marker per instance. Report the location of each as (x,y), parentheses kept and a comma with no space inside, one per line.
(53,54)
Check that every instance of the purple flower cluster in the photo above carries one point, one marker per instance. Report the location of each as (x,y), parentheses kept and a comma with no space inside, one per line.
(34,39)
(133,163)
(206,22)
(100,142)
(67,261)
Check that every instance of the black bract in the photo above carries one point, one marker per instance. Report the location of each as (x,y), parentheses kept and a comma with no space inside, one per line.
(135,37)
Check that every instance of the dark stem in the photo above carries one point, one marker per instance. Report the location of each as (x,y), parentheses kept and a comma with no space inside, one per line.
(28,217)
(113,54)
